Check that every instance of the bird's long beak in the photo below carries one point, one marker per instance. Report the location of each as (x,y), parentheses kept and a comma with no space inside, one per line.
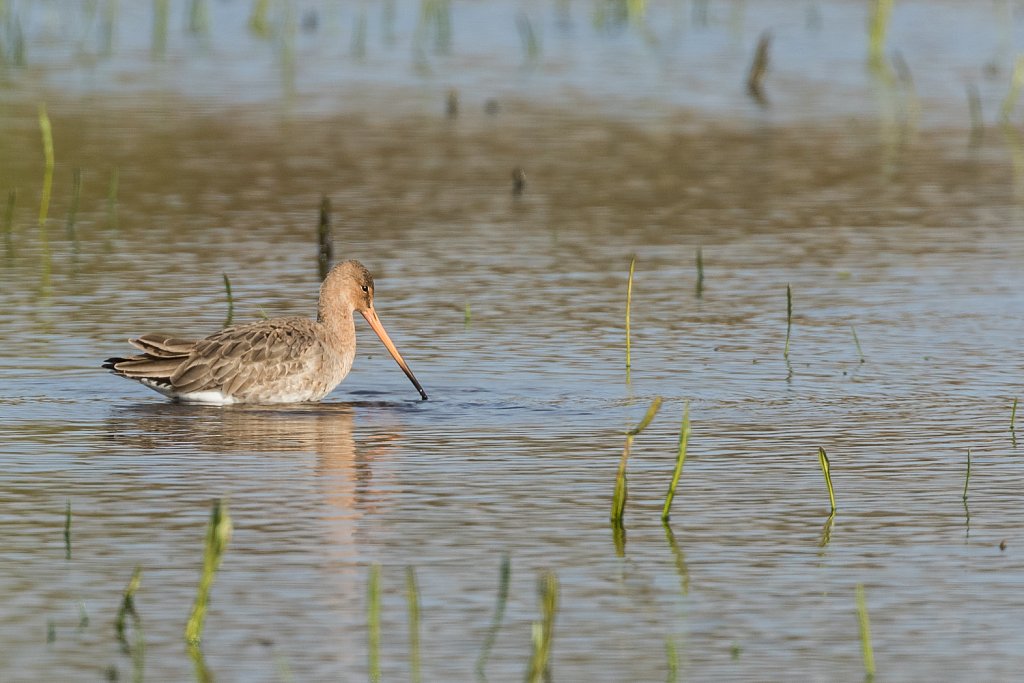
(375,323)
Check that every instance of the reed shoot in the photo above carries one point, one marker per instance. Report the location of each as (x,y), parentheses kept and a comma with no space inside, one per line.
(673,660)
(1016,83)
(789,319)
(161,18)
(76,195)
(629,304)
(67,529)
(758,68)
(865,634)
(127,606)
(684,438)
(373,621)
(619,497)
(543,631)
(325,243)
(47,132)
(112,221)
(413,598)
(467,316)
(499,615)
(823,460)
(231,301)
(856,342)
(218,534)
(881,12)
(1013,414)
(259,23)
(699,290)
(967,479)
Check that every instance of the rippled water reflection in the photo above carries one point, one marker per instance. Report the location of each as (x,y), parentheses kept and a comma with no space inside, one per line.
(907,234)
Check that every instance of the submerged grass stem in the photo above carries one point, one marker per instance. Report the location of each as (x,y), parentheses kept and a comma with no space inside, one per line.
(67,529)
(699,289)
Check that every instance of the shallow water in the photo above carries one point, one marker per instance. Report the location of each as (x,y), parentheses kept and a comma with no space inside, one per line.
(882,221)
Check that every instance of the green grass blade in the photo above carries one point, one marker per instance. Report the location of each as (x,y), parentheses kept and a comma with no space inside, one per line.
(629,305)
(1016,83)
(413,599)
(620,494)
(231,301)
(672,655)
(789,319)
(648,416)
(823,460)
(865,634)
(67,529)
(881,11)
(967,479)
(47,133)
(543,631)
(218,534)
(1013,414)
(684,438)
(700,273)
(856,341)
(373,622)
(127,606)
(499,615)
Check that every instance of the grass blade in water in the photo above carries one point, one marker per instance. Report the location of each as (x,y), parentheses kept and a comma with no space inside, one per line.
(67,530)
(543,630)
(47,132)
(231,301)
(619,496)
(865,634)
(673,660)
(127,608)
(881,10)
(629,304)
(413,598)
(1013,415)
(325,242)
(789,319)
(684,438)
(856,342)
(823,460)
(758,68)
(499,615)
(967,479)
(12,199)
(700,273)
(218,534)
(373,622)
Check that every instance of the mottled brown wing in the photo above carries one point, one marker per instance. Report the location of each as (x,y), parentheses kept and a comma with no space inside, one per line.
(236,359)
